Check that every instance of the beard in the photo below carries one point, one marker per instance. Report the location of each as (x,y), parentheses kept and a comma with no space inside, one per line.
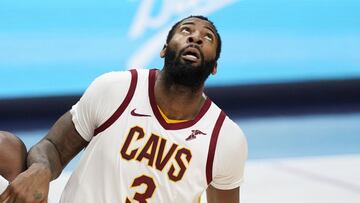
(184,73)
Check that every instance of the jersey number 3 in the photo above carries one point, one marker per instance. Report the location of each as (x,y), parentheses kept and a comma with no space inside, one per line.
(149,191)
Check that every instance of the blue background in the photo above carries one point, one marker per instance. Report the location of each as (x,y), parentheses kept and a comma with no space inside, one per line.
(59,47)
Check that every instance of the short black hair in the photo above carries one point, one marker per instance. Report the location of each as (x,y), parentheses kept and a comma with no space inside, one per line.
(173,28)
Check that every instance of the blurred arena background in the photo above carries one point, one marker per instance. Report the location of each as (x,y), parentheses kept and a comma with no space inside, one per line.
(289,74)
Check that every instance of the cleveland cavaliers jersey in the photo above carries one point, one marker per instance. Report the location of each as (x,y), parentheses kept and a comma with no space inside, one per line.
(134,155)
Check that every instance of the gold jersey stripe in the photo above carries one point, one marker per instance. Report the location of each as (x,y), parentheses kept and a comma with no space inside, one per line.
(168,120)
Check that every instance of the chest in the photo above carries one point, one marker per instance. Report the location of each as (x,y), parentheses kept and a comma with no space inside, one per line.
(142,140)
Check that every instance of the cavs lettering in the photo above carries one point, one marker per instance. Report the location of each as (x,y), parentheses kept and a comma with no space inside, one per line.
(154,153)
(136,156)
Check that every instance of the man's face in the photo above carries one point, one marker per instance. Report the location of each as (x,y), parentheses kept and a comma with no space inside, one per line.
(191,52)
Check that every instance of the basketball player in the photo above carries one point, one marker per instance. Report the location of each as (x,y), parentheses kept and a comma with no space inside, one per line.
(150,135)
(12,158)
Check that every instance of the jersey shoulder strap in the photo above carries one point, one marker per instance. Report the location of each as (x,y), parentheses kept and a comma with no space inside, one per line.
(123,105)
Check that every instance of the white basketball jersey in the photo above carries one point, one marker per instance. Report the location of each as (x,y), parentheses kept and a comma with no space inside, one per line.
(3,184)
(134,155)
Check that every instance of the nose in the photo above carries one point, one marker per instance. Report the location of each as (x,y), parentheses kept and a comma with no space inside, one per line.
(195,38)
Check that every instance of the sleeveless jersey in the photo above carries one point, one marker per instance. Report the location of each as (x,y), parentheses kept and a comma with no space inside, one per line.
(134,155)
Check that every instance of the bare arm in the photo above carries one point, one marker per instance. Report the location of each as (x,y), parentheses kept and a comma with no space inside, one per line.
(46,160)
(219,196)
(58,147)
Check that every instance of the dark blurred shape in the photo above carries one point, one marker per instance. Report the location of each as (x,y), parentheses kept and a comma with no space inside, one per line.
(317,97)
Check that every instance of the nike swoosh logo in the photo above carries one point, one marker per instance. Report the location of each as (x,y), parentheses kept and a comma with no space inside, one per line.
(133,113)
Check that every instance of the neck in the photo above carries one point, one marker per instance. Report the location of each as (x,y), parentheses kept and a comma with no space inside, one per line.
(177,101)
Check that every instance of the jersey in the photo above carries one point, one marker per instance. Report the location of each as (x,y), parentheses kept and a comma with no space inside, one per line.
(134,155)
(3,184)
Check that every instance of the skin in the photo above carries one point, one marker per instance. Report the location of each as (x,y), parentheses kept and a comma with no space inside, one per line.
(47,159)
(179,102)
(12,156)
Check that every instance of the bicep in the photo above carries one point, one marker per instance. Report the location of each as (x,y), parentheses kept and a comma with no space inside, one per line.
(65,138)
(218,196)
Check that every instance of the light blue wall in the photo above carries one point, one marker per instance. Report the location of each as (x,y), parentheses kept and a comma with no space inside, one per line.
(59,47)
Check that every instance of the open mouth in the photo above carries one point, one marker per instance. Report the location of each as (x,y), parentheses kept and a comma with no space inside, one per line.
(191,54)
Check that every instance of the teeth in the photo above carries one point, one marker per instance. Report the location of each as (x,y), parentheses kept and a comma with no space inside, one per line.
(191,56)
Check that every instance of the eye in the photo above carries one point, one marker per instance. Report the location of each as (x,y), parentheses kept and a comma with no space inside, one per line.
(185,30)
(209,37)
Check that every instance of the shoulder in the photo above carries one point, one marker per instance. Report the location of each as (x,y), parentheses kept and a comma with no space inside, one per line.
(116,82)
(230,125)
(231,135)
(113,77)
(9,140)
(230,131)
(12,155)
(231,139)
(122,78)
(230,156)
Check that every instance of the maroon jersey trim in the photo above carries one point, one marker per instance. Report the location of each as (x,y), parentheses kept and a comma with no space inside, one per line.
(212,146)
(161,120)
(122,107)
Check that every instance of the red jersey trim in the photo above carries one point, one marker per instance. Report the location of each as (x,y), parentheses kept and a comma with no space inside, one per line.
(161,120)
(122,107)
(212,146)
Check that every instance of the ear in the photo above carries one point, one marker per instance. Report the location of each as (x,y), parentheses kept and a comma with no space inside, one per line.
(163,51)
(214,71)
